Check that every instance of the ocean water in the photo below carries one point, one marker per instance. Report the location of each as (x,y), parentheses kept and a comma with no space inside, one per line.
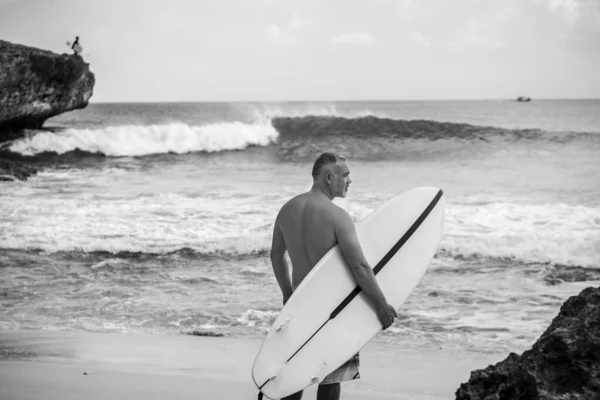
(158,217)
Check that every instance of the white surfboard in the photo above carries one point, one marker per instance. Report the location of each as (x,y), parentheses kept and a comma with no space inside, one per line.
(328,319)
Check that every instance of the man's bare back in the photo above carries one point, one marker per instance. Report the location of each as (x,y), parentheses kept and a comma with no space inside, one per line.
(307,224)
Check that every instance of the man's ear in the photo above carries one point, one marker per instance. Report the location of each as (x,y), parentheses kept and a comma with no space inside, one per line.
(328,177)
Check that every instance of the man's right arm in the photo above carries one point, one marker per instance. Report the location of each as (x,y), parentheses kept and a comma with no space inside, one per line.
(345,232)
(279,263)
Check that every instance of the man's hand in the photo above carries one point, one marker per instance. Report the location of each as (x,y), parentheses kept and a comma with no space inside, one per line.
(386,315)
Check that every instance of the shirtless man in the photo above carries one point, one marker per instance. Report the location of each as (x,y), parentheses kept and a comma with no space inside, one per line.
(308,226)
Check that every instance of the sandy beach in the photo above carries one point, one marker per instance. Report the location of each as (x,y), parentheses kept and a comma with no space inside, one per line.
(75,365)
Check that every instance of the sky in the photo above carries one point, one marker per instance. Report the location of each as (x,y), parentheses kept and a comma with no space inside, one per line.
(322,50)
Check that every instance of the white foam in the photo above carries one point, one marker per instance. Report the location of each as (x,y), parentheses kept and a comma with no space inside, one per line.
(73,216)
(253,318)
(557,233)
(266,111)
(107,263)
(138,140)
(151,224)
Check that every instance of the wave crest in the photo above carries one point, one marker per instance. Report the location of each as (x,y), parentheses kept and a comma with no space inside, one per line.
(299,136)
(137,140)
(370,126)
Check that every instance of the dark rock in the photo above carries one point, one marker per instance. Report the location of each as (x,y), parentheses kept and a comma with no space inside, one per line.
(205,333)
(12,170)
(564,363)
(562,273)
(53,159)
(38,84)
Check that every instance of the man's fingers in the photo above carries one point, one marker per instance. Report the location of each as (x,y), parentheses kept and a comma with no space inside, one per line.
(387,323)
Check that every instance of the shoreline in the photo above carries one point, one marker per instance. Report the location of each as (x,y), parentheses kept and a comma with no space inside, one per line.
(51,364)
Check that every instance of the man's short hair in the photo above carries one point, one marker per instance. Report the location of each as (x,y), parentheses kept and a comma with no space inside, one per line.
(325,159)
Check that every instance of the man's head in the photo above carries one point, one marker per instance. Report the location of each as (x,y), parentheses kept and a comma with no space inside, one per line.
(331,173)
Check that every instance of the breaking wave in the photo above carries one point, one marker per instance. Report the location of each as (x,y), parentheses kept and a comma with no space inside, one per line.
(295,135)
(370,126)
(137,140)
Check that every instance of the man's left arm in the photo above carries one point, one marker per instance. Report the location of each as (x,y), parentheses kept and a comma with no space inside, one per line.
(280,265)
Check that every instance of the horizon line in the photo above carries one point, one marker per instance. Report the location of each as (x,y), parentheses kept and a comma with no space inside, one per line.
(337,101)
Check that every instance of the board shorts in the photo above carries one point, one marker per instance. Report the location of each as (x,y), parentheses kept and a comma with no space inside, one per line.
(347,372)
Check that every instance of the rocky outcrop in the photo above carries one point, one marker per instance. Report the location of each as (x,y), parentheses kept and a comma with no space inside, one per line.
(12,170)
(36,85)
(564,363)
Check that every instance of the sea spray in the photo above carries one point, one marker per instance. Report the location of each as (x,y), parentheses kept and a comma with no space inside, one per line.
(137,140)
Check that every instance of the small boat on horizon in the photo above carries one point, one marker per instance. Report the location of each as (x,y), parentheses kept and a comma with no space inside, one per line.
(523,98)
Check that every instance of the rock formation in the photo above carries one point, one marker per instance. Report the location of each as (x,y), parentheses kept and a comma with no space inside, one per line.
(564,363)
(36,85)
(12,170)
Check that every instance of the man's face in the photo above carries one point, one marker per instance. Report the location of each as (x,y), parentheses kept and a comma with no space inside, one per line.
(341,179)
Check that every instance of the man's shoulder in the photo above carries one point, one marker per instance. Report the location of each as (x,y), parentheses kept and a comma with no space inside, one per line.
(299,201)
(294,201)
(291,205)
(340,216)
(333,213)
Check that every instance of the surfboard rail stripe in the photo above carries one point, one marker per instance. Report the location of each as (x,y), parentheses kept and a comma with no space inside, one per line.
(380,265)
(308,340)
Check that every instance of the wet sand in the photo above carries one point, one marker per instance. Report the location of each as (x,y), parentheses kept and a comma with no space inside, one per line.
(93,366)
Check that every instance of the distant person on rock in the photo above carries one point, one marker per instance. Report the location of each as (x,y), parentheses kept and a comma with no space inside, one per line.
(77,49)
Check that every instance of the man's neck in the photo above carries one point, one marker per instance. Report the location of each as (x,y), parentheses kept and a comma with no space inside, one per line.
(320,188)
